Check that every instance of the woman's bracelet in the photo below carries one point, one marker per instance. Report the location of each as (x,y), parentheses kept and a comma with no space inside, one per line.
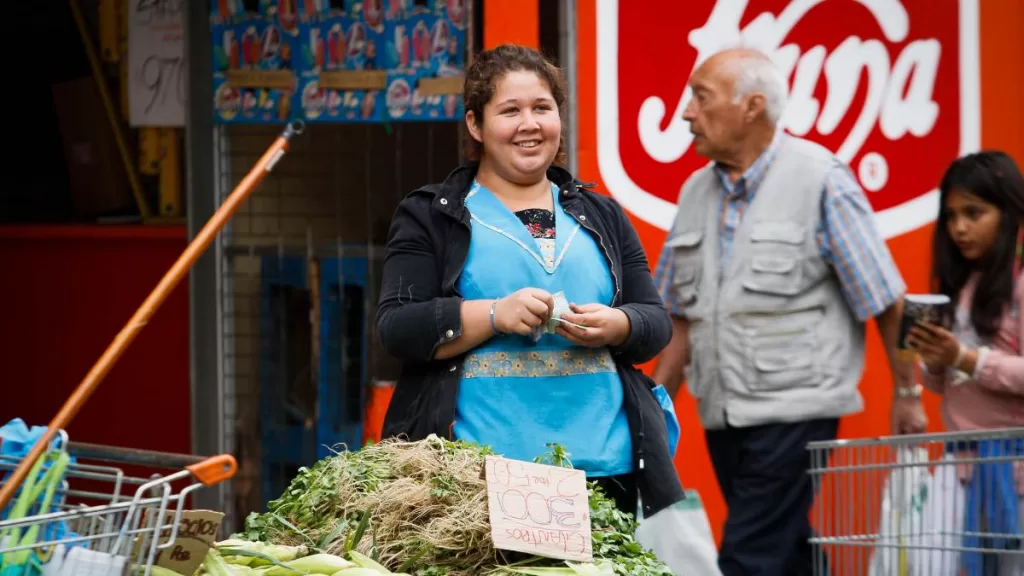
(960,355)
(494,328)
(909,391)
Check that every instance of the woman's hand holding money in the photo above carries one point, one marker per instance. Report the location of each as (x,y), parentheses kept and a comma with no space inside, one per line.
(522,311)
(598,325)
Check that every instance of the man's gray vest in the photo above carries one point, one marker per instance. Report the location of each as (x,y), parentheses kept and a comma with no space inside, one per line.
(771,337)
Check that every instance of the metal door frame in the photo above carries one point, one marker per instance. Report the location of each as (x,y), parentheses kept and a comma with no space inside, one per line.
(204,189)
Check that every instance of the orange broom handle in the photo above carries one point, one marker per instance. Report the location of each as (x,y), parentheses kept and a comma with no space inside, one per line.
(141,317)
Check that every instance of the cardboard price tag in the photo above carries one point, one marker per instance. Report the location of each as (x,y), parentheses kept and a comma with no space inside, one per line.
(196,534)
(539,509)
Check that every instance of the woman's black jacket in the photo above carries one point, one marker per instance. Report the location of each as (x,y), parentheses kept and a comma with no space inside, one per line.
(420,309)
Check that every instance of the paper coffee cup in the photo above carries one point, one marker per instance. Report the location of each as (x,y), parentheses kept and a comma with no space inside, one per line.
(934,309)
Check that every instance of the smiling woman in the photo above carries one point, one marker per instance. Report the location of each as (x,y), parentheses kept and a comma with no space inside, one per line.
(508,77)
(478,266)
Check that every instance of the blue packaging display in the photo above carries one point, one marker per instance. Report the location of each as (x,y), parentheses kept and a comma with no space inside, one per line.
(410,39)
(403,101)
(257,43)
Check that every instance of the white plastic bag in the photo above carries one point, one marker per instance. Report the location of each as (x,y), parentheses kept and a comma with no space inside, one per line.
(901,522)
(680,536)
(81,561)
(943,518)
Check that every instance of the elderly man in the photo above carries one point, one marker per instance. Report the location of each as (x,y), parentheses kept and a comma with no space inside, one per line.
(770,271)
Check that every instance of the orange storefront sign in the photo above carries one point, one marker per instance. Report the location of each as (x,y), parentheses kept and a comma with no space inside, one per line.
(898,89)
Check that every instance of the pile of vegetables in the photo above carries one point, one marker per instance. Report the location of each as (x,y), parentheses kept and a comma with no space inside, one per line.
(235,558)
(412,509)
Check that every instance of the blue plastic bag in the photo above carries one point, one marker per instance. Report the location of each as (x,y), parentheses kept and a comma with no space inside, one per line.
(671,420)
(16,440)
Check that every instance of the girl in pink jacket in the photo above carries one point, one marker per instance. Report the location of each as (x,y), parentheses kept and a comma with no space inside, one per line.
(978,366)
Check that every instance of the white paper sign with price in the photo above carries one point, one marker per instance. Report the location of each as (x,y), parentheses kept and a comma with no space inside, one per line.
(157,68)
(539,509)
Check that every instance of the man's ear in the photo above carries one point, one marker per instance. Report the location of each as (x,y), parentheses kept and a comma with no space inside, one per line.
(473,127)
(756,105)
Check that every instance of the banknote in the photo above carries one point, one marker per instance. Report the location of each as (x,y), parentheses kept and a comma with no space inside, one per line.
(551,326)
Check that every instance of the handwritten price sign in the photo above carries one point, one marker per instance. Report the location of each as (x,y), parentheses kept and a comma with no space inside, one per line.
(538,509)
(157,71)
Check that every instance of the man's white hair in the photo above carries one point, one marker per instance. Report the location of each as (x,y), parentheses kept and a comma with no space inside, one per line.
(755,73)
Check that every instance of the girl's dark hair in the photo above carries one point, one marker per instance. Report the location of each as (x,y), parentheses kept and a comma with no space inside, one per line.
(492,65)
(993,177)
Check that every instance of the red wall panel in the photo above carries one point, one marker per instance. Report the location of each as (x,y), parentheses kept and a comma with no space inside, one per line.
(65,294)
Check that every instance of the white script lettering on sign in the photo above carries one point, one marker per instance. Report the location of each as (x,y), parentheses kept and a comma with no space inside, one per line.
(157,70)
(539,509)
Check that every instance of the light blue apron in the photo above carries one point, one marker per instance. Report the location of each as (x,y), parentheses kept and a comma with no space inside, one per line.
(516,395)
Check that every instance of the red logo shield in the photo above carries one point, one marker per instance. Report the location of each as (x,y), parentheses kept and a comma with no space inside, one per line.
(891,87)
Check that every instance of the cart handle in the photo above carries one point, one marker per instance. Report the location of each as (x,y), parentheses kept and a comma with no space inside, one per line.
(132,456)
(142,315)
(214,470)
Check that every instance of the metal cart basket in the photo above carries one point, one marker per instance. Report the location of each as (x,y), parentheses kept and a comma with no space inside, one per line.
(70,517)
(48,505)
(920,505)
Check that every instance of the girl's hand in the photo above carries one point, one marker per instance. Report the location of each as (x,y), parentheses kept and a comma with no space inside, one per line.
(937,346)
(521,311)
(604,326)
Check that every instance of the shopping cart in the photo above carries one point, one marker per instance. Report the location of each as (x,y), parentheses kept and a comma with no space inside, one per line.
(46,505)
(919,505)
(76,518)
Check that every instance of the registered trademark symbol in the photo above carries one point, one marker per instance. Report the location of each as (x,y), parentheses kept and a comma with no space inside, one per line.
(873,172)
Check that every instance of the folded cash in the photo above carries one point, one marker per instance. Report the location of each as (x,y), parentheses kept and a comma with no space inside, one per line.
(551,326)
(561,307)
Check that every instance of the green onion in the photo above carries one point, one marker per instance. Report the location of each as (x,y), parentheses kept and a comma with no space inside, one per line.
(216,566)
(313,564)
(366,562)
(248,553)
(359,571)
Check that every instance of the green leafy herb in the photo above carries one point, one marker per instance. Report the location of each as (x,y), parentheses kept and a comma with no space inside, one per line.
(425,505)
